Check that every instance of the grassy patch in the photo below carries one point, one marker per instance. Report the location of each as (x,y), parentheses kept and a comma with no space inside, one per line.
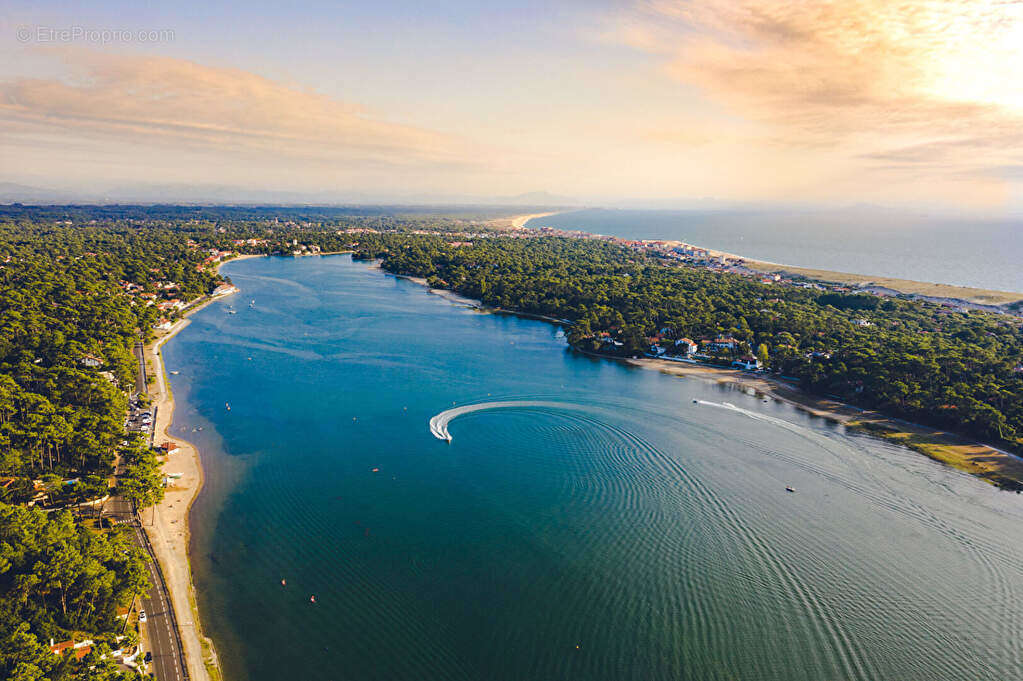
(988,464)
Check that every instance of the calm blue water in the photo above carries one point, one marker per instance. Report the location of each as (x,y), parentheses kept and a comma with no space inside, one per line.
(980,253)
(611,530)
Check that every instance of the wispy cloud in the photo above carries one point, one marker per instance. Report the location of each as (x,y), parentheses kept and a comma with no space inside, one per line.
(165,101)
(893,82)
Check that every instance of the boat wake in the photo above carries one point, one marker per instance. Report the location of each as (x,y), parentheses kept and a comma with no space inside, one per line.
(781,423)
(439,423)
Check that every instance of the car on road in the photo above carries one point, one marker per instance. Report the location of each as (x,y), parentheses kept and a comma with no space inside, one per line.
(149,656)
(142,615)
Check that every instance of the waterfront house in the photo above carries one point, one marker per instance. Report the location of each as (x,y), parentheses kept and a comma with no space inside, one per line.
(747,363)
(686,346)
(223,290)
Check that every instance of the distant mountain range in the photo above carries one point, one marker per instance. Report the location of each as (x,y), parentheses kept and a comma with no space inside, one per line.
(11,192)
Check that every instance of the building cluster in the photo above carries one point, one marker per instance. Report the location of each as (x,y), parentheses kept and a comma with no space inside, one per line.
(163,298)
(303,249)
(213,257)
(708,349)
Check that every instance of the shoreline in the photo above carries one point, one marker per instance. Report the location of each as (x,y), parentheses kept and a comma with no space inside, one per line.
(989,299)
(517,222)
(170,534)
(994,300)
(923,290)
(993,465)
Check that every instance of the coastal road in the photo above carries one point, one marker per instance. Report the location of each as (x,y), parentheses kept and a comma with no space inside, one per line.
(140,375)
(168,662)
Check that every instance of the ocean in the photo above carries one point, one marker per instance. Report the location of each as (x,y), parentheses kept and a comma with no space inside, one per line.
(587,520)
(981,253)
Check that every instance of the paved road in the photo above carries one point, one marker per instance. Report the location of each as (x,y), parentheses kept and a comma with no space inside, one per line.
(168,657)
(140,375)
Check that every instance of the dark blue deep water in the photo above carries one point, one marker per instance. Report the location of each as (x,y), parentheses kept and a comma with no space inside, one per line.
(983,253)
(607,529)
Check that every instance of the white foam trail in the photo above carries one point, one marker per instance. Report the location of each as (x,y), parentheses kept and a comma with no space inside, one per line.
(439,423)
(781,423)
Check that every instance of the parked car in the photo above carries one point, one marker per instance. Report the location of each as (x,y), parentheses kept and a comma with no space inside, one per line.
(142,615)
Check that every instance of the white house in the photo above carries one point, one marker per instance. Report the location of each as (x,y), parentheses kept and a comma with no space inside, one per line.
(747,363)
(223,290)
(686,346)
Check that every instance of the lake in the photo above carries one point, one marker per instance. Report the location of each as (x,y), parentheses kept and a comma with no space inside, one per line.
(982,253)
(603,527)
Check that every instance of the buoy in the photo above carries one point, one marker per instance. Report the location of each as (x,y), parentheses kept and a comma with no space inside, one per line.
(284,582)
(312,599)
(376,470)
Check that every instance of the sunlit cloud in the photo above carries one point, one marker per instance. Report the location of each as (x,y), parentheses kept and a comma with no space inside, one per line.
(926,84)
(177,103)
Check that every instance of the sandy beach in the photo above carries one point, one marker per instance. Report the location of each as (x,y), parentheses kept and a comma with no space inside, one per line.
(940,292)
(984,298)
(989,463)
(518,221)
(169,532)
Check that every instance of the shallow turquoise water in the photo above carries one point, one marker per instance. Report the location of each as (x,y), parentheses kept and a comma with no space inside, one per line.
(612,530)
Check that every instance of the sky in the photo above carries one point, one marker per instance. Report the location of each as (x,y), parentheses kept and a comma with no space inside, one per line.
(901,102)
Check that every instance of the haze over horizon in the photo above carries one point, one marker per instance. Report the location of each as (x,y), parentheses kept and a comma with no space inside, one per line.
(658,102)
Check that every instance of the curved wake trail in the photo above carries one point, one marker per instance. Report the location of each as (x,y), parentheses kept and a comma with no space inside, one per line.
(439,423)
